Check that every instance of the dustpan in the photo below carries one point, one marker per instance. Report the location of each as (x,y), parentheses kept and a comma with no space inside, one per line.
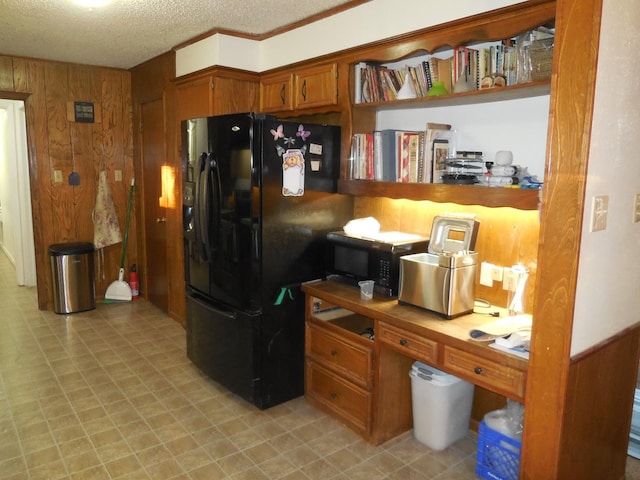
(119,290)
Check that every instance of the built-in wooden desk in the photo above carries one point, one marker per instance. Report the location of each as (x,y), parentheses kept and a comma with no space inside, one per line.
(365,383)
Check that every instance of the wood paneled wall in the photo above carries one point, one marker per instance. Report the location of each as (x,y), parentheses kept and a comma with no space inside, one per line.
(506,236)
(63,213)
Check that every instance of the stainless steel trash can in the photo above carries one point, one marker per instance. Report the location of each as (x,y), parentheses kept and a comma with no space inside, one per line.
(72,273)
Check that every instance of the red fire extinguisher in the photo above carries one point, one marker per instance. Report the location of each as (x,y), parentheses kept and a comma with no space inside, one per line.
(133,282)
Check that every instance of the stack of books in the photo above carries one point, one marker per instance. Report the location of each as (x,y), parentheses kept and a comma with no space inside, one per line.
(406,156)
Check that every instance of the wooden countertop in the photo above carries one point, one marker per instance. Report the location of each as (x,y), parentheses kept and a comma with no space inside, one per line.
(454,332)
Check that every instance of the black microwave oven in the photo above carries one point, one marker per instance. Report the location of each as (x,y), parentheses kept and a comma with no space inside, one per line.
(374,258)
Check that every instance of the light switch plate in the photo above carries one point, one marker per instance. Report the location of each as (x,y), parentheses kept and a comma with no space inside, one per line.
(599,211)
(636,208)
(57,176)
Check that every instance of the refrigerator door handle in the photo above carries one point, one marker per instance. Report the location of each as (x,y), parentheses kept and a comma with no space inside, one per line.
(203,207)
(229,315)
(197,253)
(234,237)
(216,197)
(255,232)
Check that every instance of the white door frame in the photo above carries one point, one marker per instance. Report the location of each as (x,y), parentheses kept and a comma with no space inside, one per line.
(15,133)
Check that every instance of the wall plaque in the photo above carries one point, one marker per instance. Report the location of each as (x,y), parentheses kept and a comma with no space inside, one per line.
(84,112)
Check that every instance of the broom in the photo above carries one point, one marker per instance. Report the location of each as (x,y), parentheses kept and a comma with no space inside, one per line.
(119,290)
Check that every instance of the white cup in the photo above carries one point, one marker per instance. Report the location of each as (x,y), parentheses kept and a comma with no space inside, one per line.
(366,289)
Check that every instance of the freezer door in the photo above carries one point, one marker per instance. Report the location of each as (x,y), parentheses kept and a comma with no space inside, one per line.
(223,343)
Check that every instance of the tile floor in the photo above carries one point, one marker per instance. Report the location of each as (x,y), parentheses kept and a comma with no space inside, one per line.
(110,394)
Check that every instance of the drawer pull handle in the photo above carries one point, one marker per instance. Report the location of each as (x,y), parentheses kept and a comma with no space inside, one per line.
(478,370)
(334,395)
(404,342)
(334,353)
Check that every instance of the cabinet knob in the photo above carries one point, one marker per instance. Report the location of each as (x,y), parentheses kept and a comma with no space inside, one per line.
(478,370)
(334,353)
(404,342)
(334,395)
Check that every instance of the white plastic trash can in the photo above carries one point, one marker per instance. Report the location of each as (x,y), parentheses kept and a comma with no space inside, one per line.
(441,406)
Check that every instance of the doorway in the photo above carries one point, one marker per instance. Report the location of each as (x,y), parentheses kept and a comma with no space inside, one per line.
(16,220)
(155,226)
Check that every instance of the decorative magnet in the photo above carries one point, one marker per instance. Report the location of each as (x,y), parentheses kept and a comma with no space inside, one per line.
(293,173)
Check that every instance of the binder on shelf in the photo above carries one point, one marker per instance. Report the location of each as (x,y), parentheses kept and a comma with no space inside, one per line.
(385,154)
(440,152)
(407,144)
(433,131)
(361,162)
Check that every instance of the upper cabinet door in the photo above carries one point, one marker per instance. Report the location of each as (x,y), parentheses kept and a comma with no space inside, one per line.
(234,95)
(316,86)
(276,92)
(216,92)
(194,98)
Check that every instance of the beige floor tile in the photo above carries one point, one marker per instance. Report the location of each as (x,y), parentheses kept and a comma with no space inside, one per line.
(110,394)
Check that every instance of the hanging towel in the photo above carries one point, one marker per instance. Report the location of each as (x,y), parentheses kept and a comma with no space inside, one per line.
(106,229)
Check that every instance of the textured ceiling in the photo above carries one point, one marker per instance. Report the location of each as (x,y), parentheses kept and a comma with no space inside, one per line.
(129,32)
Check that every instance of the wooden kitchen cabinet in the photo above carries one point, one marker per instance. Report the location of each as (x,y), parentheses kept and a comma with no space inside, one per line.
(276,92)
(339,364)
(338,397)
(316,86)
(491,375)
(216,91)
(412,345)
(348,358)
(299,89)
(365,384)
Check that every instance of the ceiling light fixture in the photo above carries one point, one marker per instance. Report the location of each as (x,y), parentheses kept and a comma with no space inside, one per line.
(92,3)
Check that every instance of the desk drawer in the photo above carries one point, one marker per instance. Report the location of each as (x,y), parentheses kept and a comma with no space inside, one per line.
(347,401)
(408,343)
(485,373)
(349,359)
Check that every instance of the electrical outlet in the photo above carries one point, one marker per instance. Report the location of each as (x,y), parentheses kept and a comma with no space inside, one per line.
(636,208)
(57,176)
(497,273)
(486,274)
(599,210)
(118,175)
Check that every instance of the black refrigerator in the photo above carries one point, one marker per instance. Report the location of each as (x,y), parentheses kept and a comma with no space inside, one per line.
(258,200)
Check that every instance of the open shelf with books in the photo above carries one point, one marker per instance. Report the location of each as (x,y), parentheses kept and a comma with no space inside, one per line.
(456,48)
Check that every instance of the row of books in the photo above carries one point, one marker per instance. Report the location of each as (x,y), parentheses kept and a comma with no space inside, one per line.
(405,156)
(469,68)
(379,83)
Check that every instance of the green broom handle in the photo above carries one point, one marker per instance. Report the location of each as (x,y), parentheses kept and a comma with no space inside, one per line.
(126,228)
